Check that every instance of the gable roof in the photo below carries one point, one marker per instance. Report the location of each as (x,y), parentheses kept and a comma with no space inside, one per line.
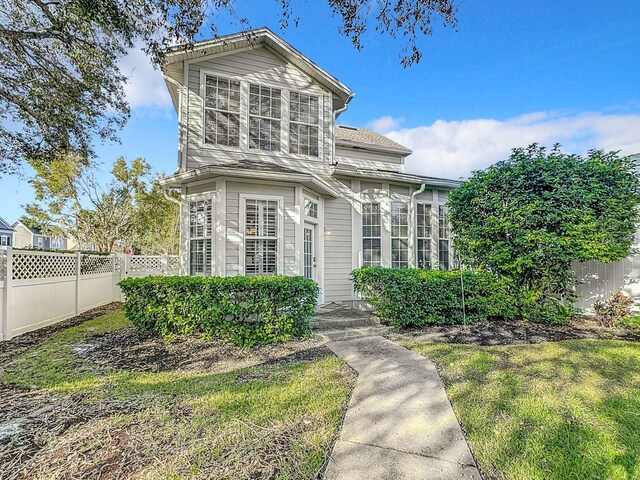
(33,230)
(348,136)
(257,37)
(4,225)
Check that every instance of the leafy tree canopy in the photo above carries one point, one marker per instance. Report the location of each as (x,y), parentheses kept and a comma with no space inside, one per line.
(531,216)
(60,85)
(130,210)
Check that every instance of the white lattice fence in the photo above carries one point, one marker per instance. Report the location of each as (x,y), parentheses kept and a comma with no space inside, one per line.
(40,288)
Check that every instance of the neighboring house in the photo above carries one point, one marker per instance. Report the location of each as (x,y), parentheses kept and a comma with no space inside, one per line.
(6,233)
(34,237)
(271,184)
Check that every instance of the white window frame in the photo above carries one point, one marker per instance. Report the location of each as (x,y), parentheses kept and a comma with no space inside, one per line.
(203,90)
(380,225)
(200,198)
(280,120)
(447,238)
(298,122)
(244,115)
(428,239)
(242,222)
(4,240)
(307,218)
(395,237)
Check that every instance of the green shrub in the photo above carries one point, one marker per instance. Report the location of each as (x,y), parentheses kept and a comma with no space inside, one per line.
(247,311)
(414,297)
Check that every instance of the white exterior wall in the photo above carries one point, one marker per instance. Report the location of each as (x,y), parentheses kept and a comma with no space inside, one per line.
(260,66)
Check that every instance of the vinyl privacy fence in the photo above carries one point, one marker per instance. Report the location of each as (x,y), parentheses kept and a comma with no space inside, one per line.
(40,288)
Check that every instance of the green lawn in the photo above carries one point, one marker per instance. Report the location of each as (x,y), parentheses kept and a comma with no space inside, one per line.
(270,421)
(565,410)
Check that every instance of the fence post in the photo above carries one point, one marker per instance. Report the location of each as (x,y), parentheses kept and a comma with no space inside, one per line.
(78,272)
(8,280)
(164,261)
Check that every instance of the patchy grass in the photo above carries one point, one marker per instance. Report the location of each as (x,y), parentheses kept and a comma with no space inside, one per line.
(564,410)
(267,421)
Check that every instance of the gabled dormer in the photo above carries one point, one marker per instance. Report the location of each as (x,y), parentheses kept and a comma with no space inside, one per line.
(253,94)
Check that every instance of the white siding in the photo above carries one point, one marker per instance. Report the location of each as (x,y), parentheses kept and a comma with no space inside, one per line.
(260,66)
(365,159)
(337,250)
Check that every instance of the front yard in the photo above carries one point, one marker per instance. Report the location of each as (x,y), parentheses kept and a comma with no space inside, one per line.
(557,410)
(101,399)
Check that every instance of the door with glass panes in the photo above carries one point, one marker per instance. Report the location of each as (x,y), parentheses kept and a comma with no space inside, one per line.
(309,254)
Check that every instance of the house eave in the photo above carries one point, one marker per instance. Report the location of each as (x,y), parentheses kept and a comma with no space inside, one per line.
(252,39)
(362,173)
(212,172)
(374,148)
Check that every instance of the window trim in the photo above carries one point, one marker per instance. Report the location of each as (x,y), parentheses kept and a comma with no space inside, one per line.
(428,239)
(280,120)
(447,238)
(6,240)
(392,237)
(318,125)
(379,237)
(244,116)
(314,220)
(242,223)
(198,198)
(202,90)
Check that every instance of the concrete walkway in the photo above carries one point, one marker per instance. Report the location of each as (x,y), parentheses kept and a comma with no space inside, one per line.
(399,423)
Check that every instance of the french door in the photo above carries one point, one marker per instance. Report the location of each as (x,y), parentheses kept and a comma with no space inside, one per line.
(309,252)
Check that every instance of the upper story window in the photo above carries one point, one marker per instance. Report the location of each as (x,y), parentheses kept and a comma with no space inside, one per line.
(304,112)
(265,112)
(221,111)
(4,240)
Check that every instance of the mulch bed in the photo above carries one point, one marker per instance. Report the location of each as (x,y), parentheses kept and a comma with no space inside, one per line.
(514,333)
(18,345)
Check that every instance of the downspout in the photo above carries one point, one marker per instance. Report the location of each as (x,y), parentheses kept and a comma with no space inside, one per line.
(181,127)
(419,191)
(165,192)
(335,116)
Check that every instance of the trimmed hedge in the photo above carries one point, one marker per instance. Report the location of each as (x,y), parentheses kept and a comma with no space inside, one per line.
(409,297)
(247,311)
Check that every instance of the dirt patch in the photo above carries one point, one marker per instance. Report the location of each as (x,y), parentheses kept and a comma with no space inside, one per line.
(130,349)
(17,345)
(31,419)
(514,333)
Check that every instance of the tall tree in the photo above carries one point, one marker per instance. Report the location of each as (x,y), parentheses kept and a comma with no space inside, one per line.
(529,217)
(60,86)
(71,201)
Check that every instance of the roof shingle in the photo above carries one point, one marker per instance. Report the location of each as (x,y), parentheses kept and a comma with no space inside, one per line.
(367,137)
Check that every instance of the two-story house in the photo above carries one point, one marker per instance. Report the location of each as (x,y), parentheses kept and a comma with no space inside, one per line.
(25,237)
(6,233)
(271,184)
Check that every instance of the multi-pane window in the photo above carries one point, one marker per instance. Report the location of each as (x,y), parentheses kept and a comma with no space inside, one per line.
(310,208)
(423,235)
(265,112)
(261,237)
(443,237)
(399,235)
(371,235)
(221,111)
(304,117)
(4,240)
(200,233)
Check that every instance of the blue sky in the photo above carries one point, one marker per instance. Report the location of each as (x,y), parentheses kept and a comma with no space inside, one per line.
(510,74)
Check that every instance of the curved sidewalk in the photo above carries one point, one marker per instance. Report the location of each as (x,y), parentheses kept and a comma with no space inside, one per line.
(399,423)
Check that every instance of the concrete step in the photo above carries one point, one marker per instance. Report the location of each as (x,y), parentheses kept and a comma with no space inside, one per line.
(334,323)
(348,333)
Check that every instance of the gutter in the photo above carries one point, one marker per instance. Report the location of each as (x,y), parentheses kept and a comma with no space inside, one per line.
(335,117)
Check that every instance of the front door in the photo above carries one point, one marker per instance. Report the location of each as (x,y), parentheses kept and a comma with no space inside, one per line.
(309,251)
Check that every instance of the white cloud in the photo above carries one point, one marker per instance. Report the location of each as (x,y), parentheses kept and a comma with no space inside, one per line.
(453,149)
(145,86)
(385,124)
